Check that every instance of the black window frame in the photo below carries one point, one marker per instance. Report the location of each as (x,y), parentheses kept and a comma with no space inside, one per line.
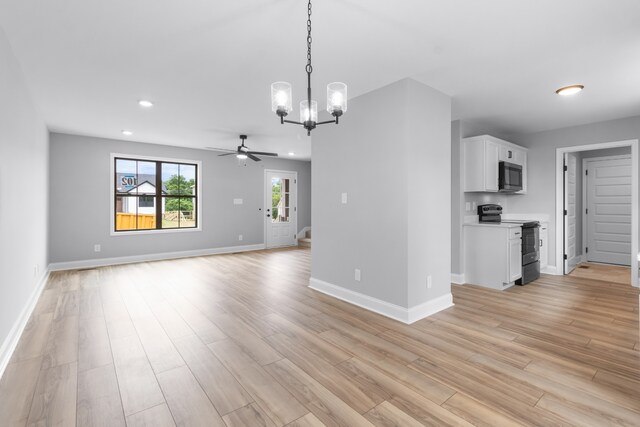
(158,197)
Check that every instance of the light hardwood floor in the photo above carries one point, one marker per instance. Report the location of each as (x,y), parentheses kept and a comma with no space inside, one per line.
(239,340)
(608,272)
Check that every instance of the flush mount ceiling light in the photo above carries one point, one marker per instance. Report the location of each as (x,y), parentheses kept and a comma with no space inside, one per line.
(145,103)
(127,132)
(281,95)
(569,90)
(291,153)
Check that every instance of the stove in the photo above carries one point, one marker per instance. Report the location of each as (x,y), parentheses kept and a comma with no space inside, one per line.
(530,250)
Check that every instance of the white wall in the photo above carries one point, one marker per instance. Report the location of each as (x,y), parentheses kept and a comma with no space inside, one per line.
(391,154)
(81,164)
(542,157)
(24,163)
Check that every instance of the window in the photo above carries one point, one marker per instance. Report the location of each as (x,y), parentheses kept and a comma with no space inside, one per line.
(154,194)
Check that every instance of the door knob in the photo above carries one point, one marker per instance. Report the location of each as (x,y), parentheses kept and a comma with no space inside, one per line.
(268,216)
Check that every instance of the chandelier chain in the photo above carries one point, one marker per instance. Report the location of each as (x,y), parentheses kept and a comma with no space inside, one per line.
(309,68)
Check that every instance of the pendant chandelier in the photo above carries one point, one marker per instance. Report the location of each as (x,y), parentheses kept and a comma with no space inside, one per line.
(281,101)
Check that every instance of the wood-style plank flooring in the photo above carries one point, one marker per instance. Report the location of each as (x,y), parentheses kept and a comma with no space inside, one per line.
(608,272)
(240,340)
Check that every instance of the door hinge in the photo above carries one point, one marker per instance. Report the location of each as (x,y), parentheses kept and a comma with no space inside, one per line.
(566,168)
(586,250)
(565,256)
(295,209)
(586,171)
(586,211)
(565,211)
(295,181)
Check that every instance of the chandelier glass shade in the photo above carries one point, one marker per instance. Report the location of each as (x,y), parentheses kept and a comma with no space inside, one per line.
(281,95)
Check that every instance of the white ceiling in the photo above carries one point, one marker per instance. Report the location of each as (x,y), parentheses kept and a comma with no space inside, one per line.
(208,64)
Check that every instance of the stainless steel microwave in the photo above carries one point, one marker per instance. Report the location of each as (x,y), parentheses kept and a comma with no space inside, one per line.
(509,177)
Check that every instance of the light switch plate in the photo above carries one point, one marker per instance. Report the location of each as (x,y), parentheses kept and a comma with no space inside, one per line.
(357,274)
(344,198)
(237,201)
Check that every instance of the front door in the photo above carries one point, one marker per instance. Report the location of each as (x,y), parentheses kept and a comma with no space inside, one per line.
(280,208)
(609,211)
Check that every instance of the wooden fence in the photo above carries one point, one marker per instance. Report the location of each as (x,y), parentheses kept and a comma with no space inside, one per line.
(127,221)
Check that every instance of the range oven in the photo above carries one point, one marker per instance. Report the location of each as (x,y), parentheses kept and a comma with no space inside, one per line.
(509,177)
(530,250)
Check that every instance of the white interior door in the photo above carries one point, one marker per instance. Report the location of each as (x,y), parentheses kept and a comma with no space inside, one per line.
(570,176)
(281,208)
(609,210)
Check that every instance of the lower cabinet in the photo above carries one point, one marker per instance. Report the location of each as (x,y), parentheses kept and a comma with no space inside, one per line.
(492,254)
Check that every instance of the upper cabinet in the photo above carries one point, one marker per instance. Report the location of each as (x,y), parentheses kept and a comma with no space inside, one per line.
(482,155)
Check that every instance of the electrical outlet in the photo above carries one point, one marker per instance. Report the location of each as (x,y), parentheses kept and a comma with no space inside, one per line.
(429,282)
(344,198)
(97,248)
(473,206)
(468,206)
(357,274)
(240,237)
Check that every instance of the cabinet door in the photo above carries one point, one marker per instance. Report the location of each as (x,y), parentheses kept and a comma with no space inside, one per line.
(518,157)
(491,155)
(515,259)
(544,248)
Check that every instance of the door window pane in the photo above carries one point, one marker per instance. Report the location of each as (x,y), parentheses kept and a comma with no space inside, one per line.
(280,200)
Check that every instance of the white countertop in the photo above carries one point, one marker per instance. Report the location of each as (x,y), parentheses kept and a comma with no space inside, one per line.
(493,224)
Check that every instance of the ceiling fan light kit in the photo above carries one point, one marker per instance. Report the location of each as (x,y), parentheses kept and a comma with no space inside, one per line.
(281,96)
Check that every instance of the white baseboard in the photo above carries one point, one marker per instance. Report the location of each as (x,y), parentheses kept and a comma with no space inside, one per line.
(550,269)
(458,279)
(430,307)
(393,311)
(101,262)
(11,342)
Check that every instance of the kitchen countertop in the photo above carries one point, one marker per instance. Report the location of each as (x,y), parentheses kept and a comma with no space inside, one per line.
(493,224)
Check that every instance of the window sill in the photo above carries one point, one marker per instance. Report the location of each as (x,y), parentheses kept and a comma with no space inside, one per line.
(164,231)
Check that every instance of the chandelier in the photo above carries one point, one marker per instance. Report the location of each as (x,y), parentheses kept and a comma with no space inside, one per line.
(281,100)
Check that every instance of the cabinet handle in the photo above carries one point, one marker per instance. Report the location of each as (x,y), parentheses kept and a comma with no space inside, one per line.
(516,234)
(540,242)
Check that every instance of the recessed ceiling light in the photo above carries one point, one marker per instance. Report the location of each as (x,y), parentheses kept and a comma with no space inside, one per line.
(569,90)
(145,103)
(127,132)
(291,153)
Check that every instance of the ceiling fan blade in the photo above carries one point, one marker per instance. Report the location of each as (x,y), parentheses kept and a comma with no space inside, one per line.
(227,154)
(261,153)
(254,158)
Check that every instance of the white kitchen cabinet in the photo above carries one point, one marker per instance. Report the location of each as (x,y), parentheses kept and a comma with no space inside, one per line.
(481,157)
(492,254)
(481,165)
(544,245)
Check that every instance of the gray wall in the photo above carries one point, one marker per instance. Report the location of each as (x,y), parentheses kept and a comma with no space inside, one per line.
(541,157)
(24,161)
(80,200)
(395,227)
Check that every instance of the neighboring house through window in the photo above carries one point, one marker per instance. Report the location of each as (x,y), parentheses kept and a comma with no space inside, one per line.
(154,194)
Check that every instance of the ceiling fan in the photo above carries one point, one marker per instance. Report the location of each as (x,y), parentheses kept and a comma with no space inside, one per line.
(243,152)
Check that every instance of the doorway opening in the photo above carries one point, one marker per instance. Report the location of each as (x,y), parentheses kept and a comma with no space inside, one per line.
(597,195)
(281,210)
